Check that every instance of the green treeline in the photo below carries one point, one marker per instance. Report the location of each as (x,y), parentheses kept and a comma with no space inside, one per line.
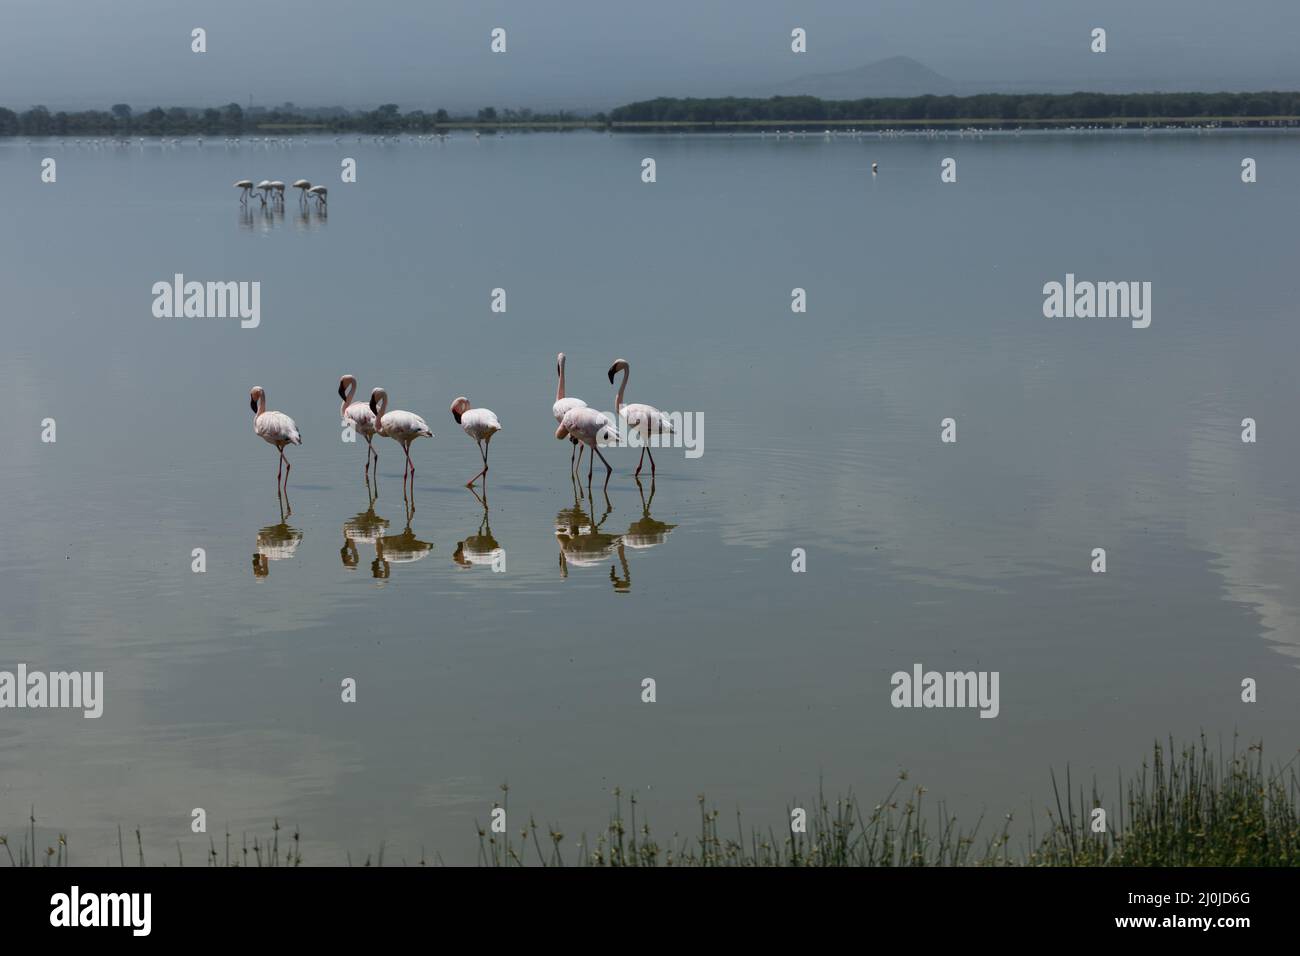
(233,120)
(1027,107)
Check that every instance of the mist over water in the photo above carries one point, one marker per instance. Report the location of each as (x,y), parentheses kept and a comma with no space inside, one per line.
(222,689)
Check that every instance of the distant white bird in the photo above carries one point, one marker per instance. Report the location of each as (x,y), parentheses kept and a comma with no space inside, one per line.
(402,427)
(245,187)
(479,424)
(590,427)
(263,187)
(562,406)
(646,419)
(275,428)
(321,194)
(360,416)
(302,186)
(278,188)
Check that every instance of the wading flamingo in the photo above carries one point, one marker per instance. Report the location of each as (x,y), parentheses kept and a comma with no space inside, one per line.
(360,416)
(275,428)
(564,405)
(302,186)
(278,188)
(245,187)
(263,187)
(590,427)
(645,419)
(479,424)
(321,194)
(402,427)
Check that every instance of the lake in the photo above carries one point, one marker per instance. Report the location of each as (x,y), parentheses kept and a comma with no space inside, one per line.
(924,302)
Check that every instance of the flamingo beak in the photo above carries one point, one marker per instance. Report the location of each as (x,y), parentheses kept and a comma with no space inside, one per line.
(372,406)
(611,374)
(343,391)
(252,403)
(455,413)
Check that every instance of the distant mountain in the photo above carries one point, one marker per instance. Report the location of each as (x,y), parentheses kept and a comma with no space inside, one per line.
(896,76)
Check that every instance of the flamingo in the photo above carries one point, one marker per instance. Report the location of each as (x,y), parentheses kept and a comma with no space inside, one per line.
(321,194)
(479,424)
(563,405)
(302,186)
(275,428)
(589,427)
(361,417)
(402,427)
(263,187)
(644,418)
(278,187)
(245,187)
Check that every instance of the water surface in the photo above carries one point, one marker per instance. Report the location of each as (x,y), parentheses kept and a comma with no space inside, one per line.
(821,433)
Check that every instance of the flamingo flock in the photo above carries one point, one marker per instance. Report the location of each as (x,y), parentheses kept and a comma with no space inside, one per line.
(271,191)
(585,427)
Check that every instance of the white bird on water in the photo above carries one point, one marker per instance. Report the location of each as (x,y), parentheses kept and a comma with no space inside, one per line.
(646,419)
(402,427)
(321,194)
(591,428)
(275,428)
(563,405)
(479,424)
(359,415)
(245,187)
(264,187)
(302,185)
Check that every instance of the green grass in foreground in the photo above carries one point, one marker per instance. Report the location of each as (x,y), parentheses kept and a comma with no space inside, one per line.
(1187,807)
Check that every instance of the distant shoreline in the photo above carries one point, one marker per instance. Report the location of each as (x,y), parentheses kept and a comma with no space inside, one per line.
(985,111)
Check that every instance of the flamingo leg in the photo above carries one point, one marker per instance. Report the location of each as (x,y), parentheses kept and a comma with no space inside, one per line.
(639,462)
(652,462)
(482,474)
(608,468)
(591,462)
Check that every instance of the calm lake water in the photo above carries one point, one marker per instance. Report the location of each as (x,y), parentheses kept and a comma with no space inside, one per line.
(822,432)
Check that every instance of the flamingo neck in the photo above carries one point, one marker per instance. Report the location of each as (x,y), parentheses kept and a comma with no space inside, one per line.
(618,402)
(559,389)
(347,398)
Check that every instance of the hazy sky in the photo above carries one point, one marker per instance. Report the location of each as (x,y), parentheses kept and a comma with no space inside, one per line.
(592,53)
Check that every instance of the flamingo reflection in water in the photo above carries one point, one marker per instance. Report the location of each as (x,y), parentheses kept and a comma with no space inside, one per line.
(646,532)
(583,544)
(480,549)
(276,542)
(365,527)
(403,548)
